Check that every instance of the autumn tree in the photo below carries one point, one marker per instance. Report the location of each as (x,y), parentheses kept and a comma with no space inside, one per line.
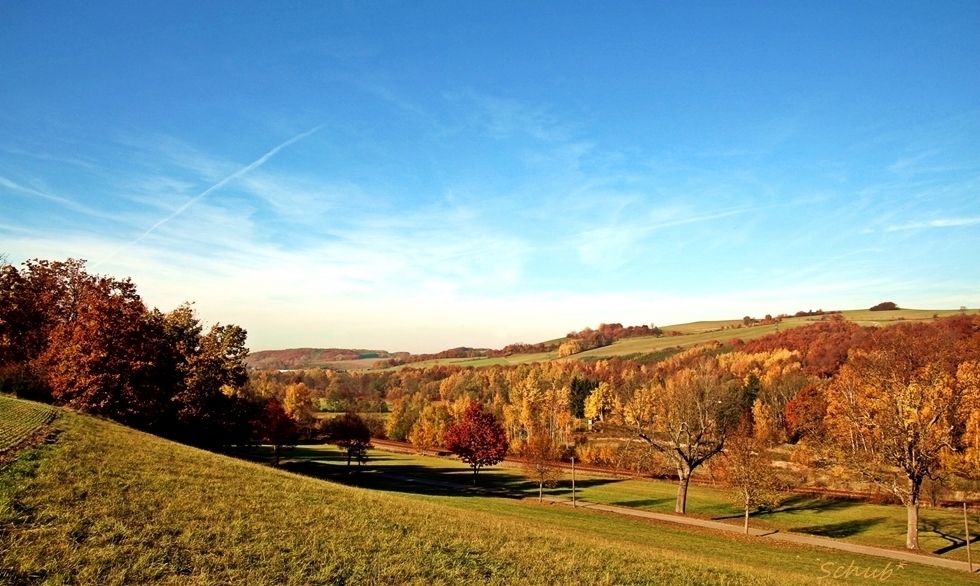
(102,354)
(351,434)
(967,455)
(479,439)
(428,430)
(541,461)
(276,428)
(599,402)
(895,410)
(298,402)
(804,415)
(689,421)
(212,377)
(404,413)
(21,336)
(749,472)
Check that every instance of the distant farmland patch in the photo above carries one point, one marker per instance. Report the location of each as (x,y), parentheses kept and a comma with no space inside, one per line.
(334,358)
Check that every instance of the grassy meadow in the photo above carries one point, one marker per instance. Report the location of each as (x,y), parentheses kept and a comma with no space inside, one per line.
(105,504)
(940,532)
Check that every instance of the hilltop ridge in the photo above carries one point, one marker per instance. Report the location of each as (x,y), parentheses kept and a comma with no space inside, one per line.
(638,340)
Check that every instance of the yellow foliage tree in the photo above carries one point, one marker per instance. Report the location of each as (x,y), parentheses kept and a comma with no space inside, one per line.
(692,417)
(298,404)
(895,409)
(541,461)
(427,432)
(599,402)
(749,472)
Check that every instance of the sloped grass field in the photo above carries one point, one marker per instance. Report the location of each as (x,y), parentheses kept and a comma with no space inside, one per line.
(19,420)
(109,505)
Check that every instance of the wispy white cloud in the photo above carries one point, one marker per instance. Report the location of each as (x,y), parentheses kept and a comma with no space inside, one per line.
(75,161)
(938,223)
(72,205)
(611,245)
(244,170)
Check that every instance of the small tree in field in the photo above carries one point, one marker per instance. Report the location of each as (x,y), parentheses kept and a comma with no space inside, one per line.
(748,470)
(350,433)
(541,462)
(479,439)
(277,428)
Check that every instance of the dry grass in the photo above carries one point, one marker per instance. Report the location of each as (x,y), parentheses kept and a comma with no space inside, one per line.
(109,505)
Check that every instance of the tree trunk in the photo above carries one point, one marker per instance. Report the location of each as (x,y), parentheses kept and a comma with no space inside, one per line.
(348,461)
(275,451)
(912,536)
(540,492)
(912,532)
(476,470)
(746,516)
(684,480)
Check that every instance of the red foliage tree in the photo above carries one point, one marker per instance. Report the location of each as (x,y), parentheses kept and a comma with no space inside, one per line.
(805,413)
(479,439)
(276,428)
(102,357)
(822,345)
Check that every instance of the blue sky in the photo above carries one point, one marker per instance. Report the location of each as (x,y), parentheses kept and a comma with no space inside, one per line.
(418,176)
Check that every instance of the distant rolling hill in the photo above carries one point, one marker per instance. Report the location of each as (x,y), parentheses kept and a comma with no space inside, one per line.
(299,358)
(675,336)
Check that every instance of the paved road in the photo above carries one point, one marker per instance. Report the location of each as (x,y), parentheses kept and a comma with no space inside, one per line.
(797,538)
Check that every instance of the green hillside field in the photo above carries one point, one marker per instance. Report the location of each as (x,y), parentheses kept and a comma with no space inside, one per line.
(108,505)
(693,334)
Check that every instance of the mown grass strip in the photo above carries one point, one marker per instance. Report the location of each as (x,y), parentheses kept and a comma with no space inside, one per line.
(19,420)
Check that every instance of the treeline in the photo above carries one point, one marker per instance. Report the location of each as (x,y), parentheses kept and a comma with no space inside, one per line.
(464,352)
(586,339)
(89,342)
(605,335)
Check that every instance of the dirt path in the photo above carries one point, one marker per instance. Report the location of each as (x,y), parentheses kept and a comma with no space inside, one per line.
(797,538)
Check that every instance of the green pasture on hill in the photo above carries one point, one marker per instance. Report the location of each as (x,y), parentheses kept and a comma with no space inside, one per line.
(478,361)
(109,505)
(694,334)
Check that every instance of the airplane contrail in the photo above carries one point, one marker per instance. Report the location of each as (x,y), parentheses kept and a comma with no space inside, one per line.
(253,165)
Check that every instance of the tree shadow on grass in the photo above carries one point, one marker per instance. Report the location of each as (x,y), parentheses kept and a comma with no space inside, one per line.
(395,474)
(843,529)
(406,478)
(955,541)
(801,504)
(811,504)
(639,503)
